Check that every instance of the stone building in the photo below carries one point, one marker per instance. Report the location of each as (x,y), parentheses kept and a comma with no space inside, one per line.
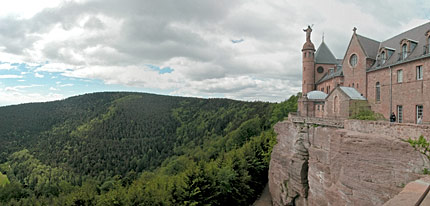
(392,75)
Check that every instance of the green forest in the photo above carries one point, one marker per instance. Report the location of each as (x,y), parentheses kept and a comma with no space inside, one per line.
(122,148)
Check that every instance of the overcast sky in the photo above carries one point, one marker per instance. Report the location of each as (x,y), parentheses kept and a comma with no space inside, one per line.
(246,50)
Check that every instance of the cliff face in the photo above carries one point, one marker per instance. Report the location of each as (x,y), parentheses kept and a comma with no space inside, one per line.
(349,162)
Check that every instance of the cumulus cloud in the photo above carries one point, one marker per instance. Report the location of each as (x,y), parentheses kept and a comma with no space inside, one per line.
(115,41)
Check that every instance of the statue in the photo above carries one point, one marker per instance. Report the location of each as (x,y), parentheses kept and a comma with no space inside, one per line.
(308,33)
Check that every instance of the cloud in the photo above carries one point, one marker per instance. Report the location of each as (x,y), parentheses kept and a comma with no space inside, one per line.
(37,75)
(19,88)
(54,67)
(187,48)
(10,76)
(7,66)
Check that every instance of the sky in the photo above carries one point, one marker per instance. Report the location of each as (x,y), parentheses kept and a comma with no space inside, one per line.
(243,49)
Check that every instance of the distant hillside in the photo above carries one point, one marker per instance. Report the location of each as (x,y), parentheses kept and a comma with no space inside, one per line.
(151,147)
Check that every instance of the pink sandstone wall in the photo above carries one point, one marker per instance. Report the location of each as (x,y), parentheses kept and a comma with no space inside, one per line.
(326,67)
(342,108)
(321,163)
(355,75)
(332,83)
(409,93)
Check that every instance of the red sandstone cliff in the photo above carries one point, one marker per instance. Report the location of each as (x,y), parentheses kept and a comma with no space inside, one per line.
(349,162)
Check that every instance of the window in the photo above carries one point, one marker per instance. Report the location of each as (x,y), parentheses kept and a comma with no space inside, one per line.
(322,89)
(352,84)
(399,76)
(419,112)
(320,70)
(378,92)
(428,43)
(419,72)
(353,60)
(399,113)
(357,85)
(383,58)
(322,106)
(335,104)
(318,107)
(404,51)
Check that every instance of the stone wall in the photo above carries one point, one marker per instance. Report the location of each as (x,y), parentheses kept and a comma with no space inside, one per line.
(396,130)
(342,162)
(355,76)
(408,93)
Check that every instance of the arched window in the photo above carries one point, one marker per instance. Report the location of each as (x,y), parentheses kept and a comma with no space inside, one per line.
(378,92)
(404,51)
(383,57)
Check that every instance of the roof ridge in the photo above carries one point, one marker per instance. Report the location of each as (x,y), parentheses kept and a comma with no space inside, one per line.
(406,31)
(368,38)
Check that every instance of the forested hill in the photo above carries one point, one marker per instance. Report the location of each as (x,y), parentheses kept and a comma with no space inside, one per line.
(136,149)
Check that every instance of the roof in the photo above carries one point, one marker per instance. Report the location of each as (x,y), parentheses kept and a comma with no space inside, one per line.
(352,93)
(370,46)
(324,55)
(337,73)
(416,35)
(316,95)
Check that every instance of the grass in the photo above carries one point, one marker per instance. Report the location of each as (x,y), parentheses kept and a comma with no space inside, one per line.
(3,180)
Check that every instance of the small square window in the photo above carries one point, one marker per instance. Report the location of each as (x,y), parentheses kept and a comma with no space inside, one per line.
(419,72)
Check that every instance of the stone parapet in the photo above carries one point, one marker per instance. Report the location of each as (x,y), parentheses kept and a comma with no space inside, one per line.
(398,130)
(338,123)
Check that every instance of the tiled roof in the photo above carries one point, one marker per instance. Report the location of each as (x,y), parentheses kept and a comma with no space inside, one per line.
(352,93)
(370,46)
(416,35)
(316,95)
(324,55)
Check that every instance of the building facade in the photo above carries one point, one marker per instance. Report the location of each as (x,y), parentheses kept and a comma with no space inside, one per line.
(392,75)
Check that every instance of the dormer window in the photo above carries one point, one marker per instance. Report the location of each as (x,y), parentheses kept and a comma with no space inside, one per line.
(426,49)
(408,46)
(385,54)
(383,57)
(404,51)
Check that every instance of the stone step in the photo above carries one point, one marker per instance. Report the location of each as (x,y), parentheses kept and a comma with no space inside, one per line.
(411,194)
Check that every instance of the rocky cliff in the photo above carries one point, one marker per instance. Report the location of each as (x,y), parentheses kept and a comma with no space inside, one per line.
(343,162)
